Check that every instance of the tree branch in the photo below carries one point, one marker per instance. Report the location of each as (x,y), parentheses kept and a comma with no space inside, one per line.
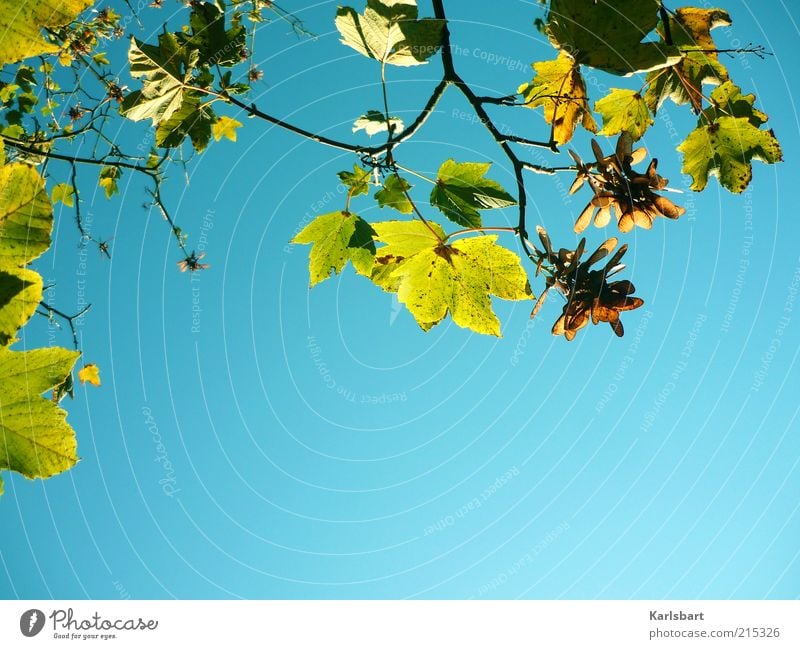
(426,112)
(476,102)
(759,50)
(527,142)
(252,110)
(102,161)
(69,318)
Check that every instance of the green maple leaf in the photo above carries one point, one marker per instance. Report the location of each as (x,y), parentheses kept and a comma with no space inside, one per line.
(26,215)
(216,45)
(26,220)
(20,294)
(608,35)
(21,26)
(165,69)
(393,194)
(725,148)
(461,190)
(390,32)
(728,100)
(690,29)
(727,139)
(337,237)
(357,180)
(433,278)
(191,119)
(558,87)
(624,110)
(35,438)
(383,272)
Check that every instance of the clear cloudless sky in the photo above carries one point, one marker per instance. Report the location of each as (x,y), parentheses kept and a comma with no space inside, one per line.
(254,439)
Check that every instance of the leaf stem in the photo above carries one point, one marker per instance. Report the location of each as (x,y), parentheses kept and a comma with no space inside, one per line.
(494,228)
(414,173)
(416,209)
(101,161)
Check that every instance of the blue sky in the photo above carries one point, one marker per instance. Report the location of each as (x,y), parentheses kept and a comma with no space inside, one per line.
(256,439)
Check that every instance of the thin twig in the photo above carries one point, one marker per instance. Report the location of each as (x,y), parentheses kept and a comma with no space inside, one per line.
(159,203)
(252,109)
(102,161)
(77,200)
(495,228)
(526,142)
(51,311)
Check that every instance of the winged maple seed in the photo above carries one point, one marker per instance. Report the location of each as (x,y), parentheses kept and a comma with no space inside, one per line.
(192,262)
(621,191)
(589,295)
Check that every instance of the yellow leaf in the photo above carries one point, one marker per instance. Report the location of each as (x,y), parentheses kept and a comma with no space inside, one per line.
(90,373)
(225,127)
(433,278)
(21,26)
(108,180)
(559,88)
(63,193)
(692,27)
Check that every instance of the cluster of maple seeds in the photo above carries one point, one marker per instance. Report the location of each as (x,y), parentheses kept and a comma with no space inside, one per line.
(589,294)
(620,191)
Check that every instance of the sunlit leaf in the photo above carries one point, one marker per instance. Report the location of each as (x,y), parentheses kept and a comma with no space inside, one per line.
(608,35)
(191,119)
(25,225)
(690,29)
(393,194)
(216,45)
(559,89)
(433,278)
(108,180)
(357,180)
(63,193)
(35,438)
(624,110)
(390,32)
(374,122)
(165,70)
(21,25)
(725,148)
(337,237)
(461,190)
(20,294)
(726,141)
(225,127)
(26,215)
(89,373)
(728,101)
